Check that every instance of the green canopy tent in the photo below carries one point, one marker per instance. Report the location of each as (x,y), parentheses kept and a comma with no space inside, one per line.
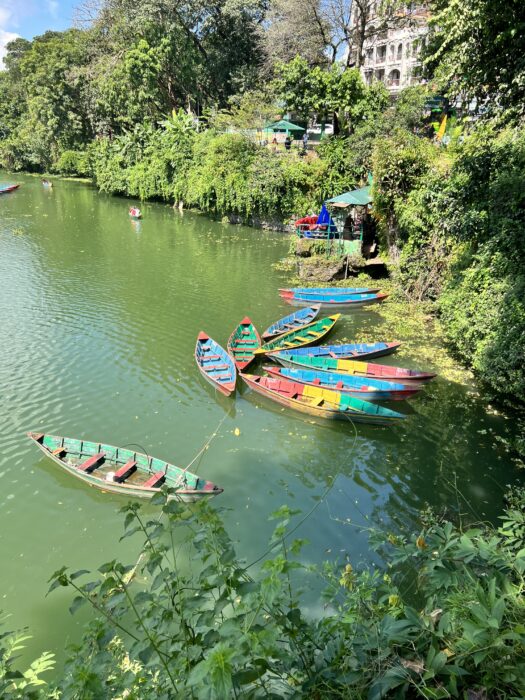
(283,126)
(356,198)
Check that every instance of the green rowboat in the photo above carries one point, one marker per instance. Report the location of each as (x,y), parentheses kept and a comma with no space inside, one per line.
(307,335)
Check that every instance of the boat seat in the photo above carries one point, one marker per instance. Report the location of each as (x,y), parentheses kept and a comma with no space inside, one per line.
(339,385)
(58,451)
(154,481)
(215,367)
(245,331)
(125,471)
(211,357)
(38,437)
(92,463)
(221,377)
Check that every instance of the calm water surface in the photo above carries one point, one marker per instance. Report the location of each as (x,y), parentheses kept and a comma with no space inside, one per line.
(99,317)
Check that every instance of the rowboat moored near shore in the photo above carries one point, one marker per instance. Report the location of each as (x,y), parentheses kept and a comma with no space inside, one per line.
(359,387)
(216,366)
(243,342)
(8,188)
(121,470)
(341,351)
(307,335)
(322,403)
(294,291)
(337,300)
(357,368)
(291,322)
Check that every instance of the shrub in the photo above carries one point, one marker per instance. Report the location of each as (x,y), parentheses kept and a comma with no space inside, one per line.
(73,163)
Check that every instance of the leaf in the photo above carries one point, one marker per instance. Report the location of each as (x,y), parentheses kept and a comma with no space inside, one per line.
(78,601)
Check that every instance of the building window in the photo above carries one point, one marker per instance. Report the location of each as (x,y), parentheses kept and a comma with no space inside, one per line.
(370,55)
(399,52)
(392,51)
(380,74)
(393,78)
(381,54)
(369,76)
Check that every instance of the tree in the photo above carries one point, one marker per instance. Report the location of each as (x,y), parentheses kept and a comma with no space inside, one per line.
(477,49)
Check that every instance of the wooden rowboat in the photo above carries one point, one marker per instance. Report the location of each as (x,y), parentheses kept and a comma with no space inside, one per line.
(356,368)
(294,291)
(342,351)
(321,403)
(359,387)
(307,335)
(243,342)
(216,366)
(336,300)
(121,470)
(291,322)
(8,188)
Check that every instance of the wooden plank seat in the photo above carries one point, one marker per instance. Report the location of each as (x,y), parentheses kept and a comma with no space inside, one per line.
(245,331)
(91,463)
(58,451)
(212,357)
(154,481)
(125,471)
(221,377)
(213,367)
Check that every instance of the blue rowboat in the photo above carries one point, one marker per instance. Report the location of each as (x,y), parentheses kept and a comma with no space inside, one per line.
(359,387)
(326,290)
(341,300)
(216,366)
(291,322)
(343,351)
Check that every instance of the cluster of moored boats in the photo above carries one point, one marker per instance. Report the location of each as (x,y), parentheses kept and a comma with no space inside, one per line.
(328,381)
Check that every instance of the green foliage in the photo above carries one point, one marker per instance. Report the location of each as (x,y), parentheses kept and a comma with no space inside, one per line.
(16,684)
(73,163)
(478,51)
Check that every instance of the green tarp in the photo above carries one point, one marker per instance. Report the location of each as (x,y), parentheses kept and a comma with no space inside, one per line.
(283,125)
(360,198)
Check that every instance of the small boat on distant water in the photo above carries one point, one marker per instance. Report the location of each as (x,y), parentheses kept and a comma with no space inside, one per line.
(343,351)
(121,470)
(8,188)
(215,364)
(135,213)
(291,322)
(359,387)
(356,368)
(47,183)
(336,300)
(243,342)
(322,403)
(315,291)
(307,335)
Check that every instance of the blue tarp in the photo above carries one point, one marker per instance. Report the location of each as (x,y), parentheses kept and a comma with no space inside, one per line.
(324,219)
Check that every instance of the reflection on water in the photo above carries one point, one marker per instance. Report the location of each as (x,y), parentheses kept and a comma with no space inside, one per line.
(99,316)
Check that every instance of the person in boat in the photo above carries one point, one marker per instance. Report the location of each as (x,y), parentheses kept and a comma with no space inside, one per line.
(47,183)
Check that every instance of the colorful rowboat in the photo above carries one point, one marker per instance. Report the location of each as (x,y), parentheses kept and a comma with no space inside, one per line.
(321,403)
(343,300)
(121,470)
(135,213)
(294,291)
(356,368)
(215,364)
(291,322)
(359,387)
(341,351)
(243,342)
(311,333)
(8,188)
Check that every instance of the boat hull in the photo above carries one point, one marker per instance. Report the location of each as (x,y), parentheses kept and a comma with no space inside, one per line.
(342,351)
(11,188)
(293,321)
(215,365)
(242,343)
(321,403)
(315,291)
(361,388)
(307,335)
(357,368)
(337,302)
(194,488)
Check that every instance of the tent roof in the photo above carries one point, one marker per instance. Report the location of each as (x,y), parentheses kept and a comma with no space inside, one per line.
(283,125)
(360,198)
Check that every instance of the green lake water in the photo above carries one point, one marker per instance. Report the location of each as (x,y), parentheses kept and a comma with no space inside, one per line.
(99,317)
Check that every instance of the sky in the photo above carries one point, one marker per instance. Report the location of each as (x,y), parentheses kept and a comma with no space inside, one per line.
(27,18)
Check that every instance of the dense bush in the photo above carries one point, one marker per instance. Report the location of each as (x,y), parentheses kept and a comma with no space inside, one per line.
(218,630)
(73,163)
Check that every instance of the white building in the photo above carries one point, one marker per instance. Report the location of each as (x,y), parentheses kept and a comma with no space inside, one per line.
(393,56)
